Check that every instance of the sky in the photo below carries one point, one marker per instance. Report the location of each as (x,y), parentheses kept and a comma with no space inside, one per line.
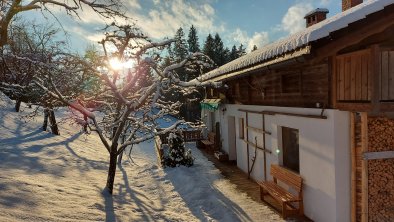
(247,22)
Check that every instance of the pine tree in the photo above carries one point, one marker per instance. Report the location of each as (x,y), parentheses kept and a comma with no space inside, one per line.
(234,53)
(254,48)
(177,155)
(180,52)
(192,40)
(226,55)
(219,56)
(241,50)
(209,47)
(180,46)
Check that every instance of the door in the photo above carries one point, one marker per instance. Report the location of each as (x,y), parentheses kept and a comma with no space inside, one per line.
(232,150)
(290,145)
(212,121)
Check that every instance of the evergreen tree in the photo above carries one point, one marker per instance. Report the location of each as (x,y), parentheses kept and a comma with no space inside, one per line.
(192,40)
(241,50)
(226,55)
(254,48)
(180,46)
(180,52)
(177,155)
(234,53)
(171,55)
(209,47)
(219,56)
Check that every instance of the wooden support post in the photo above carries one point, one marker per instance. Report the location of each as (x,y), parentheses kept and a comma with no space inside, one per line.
(333,71)
(375,79)
(353,158)
(264,153)
(364,167)
(247,144)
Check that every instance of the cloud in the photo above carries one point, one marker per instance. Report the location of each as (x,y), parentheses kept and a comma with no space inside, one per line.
(133,4)
(293,21)
(240,36)
(259,38)
(89,35)
(166,17)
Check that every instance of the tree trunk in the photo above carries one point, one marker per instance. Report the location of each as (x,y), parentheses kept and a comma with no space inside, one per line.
(46,115)
(18,105)
(111,170)
(52,120)
(121,154)
(120,158)
(85,125)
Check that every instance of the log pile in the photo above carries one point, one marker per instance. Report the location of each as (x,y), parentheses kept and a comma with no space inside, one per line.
(381,172)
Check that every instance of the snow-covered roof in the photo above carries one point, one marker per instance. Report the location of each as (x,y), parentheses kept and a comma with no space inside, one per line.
(300,39)
(316,11)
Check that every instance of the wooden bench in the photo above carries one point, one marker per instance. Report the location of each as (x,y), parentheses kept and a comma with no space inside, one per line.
(284,197)
(210,143)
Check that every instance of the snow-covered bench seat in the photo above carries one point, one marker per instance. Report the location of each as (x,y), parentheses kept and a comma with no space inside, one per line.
(284,197)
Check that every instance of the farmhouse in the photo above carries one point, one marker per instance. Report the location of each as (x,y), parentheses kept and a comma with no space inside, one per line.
(319,103)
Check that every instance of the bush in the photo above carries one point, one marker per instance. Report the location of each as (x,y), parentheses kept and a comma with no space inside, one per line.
(177,155)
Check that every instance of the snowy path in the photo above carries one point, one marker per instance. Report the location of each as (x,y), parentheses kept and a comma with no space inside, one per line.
(61,178)
(202,188)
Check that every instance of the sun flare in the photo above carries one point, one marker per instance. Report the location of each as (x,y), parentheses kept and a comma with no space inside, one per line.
(116,64)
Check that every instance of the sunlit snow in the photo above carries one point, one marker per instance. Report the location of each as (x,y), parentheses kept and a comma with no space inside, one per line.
(61,178)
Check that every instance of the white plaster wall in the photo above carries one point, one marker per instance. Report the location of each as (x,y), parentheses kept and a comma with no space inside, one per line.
(324,155)
(343,165)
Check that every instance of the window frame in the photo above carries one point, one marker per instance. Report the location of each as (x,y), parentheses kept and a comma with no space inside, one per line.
(284,151)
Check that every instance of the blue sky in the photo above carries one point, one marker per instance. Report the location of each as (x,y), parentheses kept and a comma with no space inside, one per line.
(250,22)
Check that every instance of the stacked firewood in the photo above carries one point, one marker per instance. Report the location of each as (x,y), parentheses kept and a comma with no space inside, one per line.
(381,172)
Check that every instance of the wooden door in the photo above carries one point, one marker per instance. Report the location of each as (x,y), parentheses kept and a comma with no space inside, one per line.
(232,149)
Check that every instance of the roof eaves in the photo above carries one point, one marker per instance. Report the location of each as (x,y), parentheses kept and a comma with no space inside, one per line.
(300,39)
(288,56)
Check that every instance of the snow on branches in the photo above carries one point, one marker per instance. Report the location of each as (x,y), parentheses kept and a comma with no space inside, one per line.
(129,98)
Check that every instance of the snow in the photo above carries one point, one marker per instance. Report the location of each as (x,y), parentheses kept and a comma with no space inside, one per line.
(61,178)
(302,38)
(324,10)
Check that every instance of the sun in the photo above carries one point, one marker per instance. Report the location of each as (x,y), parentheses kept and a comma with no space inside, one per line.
(116,64)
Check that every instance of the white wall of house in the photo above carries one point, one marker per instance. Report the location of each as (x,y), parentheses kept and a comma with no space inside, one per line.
(324,154)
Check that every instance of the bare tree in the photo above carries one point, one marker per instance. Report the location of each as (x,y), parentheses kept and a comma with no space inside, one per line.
(10,8)
(130,98)
(29,40)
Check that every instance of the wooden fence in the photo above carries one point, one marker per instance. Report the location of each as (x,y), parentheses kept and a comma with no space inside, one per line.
(161,141)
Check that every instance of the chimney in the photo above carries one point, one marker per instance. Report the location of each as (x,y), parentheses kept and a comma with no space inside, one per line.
(346,4)
(316,16)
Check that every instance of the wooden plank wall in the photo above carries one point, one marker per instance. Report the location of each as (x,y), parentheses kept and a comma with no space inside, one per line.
(354,76)
(387,75)
(296,86)
(356,181)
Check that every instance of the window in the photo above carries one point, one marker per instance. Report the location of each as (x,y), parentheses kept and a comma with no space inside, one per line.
(291,83)
(290,149)
(241,128)
(354,76)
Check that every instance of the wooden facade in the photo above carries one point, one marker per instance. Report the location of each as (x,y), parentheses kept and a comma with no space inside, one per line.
(354,76)
(298,85)
(387,75)
(351,70)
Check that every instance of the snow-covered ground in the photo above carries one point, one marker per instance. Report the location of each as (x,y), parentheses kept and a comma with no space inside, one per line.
(61,178)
